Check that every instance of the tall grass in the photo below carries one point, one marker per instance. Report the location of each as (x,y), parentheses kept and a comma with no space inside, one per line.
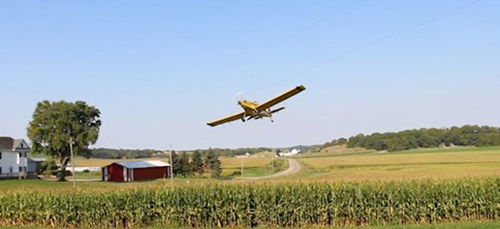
(292,204)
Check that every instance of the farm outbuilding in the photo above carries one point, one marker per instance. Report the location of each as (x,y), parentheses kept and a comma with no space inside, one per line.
(125,171)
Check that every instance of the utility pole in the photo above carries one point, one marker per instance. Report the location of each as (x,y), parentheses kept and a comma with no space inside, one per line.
(272,161)
(171,166)
(242,166)
(72,161)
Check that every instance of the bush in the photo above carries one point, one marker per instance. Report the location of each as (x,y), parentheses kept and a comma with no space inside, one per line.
(66,173)
(49,167)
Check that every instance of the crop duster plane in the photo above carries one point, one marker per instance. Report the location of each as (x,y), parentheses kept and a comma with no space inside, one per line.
(254,110)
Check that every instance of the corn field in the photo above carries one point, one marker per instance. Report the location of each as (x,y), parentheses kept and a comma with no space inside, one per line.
(246,205)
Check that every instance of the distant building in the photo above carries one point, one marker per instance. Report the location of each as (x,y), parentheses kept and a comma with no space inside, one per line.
(13,158)
(85,169)
(35,167)
(125,171)
(289,153)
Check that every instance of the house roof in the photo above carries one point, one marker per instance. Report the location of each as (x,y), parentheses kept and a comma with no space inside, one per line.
(17,142)
(10,143)
(6,143)
(38,159)
(142,164)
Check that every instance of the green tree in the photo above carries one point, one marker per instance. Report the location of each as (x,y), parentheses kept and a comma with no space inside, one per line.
(176,163)
(341,141)
(213,164)
(467,135)
(55,123)
(186,168)
(197,163)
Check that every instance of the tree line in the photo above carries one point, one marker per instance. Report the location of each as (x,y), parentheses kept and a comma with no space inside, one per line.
(106,153)
(467,135)
(234,152)
(186,165)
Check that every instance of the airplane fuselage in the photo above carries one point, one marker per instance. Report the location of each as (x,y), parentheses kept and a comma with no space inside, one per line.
(251,111)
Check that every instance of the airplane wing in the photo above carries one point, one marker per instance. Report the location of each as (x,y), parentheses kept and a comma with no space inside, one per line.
(280,98)
(227,119)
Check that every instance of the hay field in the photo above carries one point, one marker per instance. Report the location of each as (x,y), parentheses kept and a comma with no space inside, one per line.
(413,164)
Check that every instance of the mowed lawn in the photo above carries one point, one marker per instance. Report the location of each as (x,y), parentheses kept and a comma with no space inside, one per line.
(422,163)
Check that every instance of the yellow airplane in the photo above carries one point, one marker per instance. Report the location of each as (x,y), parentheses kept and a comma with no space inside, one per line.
(254,110)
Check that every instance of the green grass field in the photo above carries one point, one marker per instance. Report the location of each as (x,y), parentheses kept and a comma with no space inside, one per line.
(260,165)
(254,166)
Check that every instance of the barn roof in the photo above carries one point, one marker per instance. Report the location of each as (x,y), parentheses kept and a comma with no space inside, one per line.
(142,164)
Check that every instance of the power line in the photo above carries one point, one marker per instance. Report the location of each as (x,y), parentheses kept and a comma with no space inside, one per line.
(289,37)
(283,40)
(376,42)
(309,27)
(363,47)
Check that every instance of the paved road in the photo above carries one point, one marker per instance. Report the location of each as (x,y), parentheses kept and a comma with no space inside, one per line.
(292,168)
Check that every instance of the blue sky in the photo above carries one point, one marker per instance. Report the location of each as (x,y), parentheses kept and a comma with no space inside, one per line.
(160,70)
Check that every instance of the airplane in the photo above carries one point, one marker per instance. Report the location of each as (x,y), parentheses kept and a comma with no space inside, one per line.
(254,110)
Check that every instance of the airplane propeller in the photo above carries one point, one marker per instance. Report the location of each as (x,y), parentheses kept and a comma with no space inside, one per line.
(237,97)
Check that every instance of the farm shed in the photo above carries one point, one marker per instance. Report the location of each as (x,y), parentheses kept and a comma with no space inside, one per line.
(125,171)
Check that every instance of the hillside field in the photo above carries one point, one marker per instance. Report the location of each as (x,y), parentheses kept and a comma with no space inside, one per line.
(413,164)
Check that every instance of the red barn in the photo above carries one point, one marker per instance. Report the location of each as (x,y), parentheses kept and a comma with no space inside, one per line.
(125,171)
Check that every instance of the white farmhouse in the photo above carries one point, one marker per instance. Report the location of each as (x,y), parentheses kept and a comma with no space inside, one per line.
(289,153)
(13,157)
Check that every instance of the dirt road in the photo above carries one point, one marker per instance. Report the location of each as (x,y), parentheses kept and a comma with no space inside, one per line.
(293,167)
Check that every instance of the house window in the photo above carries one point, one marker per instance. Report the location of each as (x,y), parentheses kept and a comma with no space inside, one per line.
(11,170)
(0,155)
(0,170)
